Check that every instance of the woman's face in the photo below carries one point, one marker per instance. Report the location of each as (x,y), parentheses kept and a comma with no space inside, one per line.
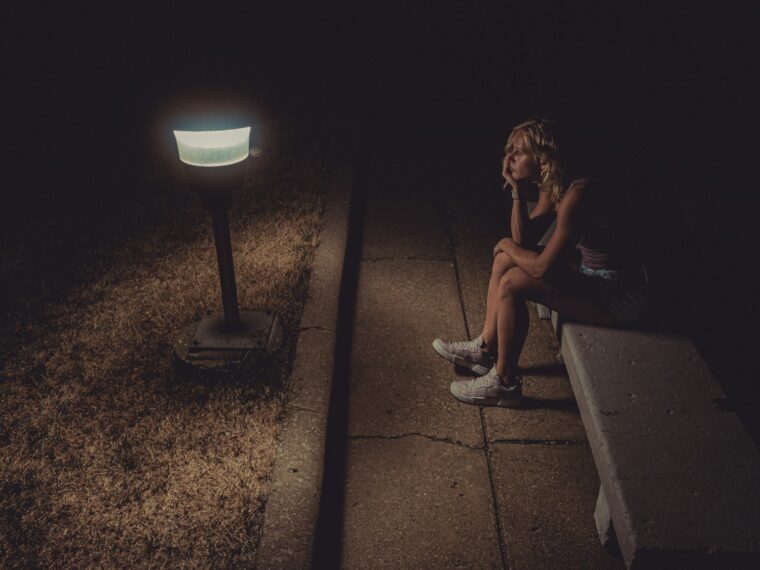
(520,163)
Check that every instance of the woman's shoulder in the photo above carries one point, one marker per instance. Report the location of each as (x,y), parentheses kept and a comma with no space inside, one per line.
(581,180)
(575,193)
(579,185)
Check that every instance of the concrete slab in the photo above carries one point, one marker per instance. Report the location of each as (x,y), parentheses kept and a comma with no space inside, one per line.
(403,216)
(546,496)
(474,241)
(287,536)
(311,378)
(399,385)
(550,412)
(327,269)
(416,503)
(541,351)
(403,226)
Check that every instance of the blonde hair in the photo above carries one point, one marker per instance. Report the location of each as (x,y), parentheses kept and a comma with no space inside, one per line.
(541,138)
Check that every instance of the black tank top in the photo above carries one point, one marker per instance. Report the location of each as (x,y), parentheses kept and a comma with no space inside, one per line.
(605,240)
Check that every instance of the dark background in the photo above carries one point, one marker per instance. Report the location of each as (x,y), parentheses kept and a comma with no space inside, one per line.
(667,90)
(677,77)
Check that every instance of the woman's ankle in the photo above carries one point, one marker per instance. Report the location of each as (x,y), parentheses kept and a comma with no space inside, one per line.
(507,377)
(487,347)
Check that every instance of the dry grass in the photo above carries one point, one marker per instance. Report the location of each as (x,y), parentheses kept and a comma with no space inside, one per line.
(108,459)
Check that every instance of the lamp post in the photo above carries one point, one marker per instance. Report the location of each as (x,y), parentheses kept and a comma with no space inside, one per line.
(214,163)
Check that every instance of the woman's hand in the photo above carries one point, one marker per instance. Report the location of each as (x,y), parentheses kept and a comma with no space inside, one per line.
(507,175)
(504,245)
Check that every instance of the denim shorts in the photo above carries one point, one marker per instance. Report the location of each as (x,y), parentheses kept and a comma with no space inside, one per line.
(625,293)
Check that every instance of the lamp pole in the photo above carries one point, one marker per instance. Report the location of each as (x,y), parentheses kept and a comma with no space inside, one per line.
(226,268)
(214,163)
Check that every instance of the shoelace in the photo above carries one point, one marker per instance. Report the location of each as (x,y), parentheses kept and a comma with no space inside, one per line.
(468,345)
(491,379)
(485,381)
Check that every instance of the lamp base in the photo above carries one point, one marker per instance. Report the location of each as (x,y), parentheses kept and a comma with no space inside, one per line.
(210,343)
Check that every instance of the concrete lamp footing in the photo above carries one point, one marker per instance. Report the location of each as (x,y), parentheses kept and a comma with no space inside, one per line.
(211,344)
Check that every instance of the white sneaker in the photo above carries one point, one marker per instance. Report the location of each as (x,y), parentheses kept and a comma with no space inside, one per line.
(465,353)
(488,390)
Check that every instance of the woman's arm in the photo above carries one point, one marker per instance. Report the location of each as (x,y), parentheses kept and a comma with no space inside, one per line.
(524,224)
(519,218)
(538,264)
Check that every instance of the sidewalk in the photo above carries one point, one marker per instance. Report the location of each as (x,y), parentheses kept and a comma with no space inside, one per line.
(430,482)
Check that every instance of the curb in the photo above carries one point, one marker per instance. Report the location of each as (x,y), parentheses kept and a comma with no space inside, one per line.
(292,508)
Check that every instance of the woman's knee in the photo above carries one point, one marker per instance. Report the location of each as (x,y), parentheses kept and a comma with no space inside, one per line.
(502,263)
(514,282)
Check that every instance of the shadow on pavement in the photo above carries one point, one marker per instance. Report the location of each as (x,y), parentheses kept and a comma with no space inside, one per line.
(328,539)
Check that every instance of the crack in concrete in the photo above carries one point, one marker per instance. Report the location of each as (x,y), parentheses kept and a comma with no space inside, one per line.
(430,437)
(541,441)
(300,408)
(316,327)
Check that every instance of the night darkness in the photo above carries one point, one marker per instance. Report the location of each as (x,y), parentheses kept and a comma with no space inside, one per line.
(668,90)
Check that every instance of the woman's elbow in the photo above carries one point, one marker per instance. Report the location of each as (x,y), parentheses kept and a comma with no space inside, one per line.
(538,271)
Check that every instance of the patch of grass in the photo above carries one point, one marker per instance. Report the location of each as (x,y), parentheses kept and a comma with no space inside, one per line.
(107,457)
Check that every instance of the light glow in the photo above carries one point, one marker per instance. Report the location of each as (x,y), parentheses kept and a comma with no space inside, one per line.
(213,148)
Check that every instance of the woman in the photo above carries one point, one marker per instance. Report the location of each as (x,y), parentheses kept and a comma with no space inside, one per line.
(608,288)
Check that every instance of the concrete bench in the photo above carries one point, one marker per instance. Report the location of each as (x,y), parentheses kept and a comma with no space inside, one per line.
(680,477)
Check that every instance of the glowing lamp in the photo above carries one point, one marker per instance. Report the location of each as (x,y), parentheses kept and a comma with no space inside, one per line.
(213,148)
(214,164)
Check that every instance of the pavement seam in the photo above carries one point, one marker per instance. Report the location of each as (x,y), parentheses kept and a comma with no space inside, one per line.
(446,214)
(418,434)
(494,500)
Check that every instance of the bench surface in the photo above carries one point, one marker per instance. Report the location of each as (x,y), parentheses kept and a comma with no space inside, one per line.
(681,477)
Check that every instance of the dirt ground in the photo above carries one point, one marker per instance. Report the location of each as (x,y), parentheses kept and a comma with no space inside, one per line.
(108,456)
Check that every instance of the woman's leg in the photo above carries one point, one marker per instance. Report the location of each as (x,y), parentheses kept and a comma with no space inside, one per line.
(515,288)
(501,264)
(512,320)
